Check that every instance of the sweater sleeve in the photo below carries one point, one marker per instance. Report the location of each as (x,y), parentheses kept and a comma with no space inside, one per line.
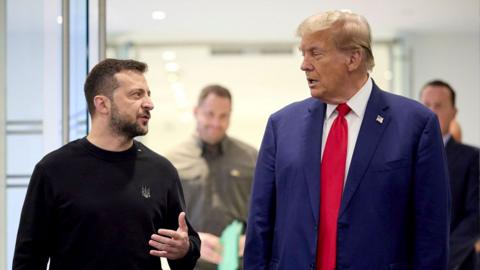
(176,205)
(32,249)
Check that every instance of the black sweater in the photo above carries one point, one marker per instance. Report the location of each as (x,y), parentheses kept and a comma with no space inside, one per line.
(87,208)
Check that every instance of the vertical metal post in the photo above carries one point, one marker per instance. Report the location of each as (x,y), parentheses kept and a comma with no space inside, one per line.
(102,29)
(3,116)
(65,71)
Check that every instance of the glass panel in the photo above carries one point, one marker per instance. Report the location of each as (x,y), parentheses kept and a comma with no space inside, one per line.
(33,95)
(78,68)
(23,152)
(25,44)
(15,197)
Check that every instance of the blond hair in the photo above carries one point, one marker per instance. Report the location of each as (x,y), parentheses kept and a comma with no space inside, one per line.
(349,31)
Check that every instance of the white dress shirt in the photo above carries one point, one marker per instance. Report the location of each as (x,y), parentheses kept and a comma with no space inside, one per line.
(357,104)
(446,138)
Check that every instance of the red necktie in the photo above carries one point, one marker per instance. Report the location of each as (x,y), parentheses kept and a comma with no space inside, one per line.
(331,188)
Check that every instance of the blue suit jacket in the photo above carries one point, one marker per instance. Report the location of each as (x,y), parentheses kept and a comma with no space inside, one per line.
(463,166)
(394,211)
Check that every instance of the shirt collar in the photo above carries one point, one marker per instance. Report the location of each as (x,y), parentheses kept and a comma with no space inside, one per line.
(218,148)
(446,138)
(358,102)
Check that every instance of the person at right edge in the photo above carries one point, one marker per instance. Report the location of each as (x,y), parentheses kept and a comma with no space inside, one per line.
(354,177)
(463,166)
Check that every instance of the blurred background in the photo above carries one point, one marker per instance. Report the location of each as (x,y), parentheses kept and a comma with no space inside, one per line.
(48,46)
(251,48)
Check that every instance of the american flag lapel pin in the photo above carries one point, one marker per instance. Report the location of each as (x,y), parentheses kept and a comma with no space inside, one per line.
(379,119)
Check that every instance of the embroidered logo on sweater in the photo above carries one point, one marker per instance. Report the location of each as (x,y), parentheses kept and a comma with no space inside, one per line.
(146,191)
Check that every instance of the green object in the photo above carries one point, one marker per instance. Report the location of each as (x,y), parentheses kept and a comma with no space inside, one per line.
(229,240)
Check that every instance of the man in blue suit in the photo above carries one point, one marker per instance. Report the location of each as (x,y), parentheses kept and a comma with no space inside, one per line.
(463,166)
(352,178)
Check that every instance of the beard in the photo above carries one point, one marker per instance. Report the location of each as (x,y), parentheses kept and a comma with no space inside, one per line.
(123,127)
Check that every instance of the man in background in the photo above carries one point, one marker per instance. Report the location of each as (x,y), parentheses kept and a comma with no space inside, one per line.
(463,166)
(106,201)
(216,172)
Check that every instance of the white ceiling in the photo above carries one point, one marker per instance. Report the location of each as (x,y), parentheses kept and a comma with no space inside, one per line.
(276,20)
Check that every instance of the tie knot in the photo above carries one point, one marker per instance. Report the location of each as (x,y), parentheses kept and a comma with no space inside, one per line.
(343,109)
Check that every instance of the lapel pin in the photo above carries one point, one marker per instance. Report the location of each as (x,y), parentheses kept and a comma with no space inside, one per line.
(379,119)
(235,173)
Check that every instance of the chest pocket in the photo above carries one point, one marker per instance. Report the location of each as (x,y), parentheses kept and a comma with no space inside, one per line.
(234,190)
(391,165)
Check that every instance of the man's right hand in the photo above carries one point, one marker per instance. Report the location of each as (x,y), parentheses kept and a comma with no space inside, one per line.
(211,249)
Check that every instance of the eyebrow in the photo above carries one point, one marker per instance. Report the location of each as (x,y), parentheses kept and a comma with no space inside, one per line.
(141,89)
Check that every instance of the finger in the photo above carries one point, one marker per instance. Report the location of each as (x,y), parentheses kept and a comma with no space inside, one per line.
(158,253)
(167,233)
(182,223)
(162,250)
(162,239)
(164,247)
(166,243)
(165,254)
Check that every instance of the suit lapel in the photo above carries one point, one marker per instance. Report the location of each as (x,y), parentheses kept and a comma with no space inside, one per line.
(451,149)
(312,147)
(371,131)
(452,152)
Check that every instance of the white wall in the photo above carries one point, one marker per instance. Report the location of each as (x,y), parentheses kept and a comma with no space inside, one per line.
(454,58)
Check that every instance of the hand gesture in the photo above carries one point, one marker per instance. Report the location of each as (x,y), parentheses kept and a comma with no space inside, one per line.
(211,249)
(169,243)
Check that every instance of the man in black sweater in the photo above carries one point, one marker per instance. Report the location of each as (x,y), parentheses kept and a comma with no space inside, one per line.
(107,201)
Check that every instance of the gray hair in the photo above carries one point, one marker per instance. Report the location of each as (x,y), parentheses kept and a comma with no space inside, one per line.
(349,31)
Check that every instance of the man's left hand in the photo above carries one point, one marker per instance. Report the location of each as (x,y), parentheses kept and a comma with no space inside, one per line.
(169,243)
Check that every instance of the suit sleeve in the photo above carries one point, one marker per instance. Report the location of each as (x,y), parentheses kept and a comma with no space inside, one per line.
(431,200)
(176,205)
(462,239)
(261,220)
(34,231)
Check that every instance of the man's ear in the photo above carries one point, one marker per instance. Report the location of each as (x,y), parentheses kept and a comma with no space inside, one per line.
(102,104)
(354,59)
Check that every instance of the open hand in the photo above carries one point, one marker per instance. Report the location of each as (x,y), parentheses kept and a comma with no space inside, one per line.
(169,243)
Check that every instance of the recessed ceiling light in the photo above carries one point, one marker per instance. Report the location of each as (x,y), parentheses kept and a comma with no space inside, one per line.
(158,15)
(59,19)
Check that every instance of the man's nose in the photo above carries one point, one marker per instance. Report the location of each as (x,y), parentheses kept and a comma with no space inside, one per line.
(216,122)
(306,65)
(148,103)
